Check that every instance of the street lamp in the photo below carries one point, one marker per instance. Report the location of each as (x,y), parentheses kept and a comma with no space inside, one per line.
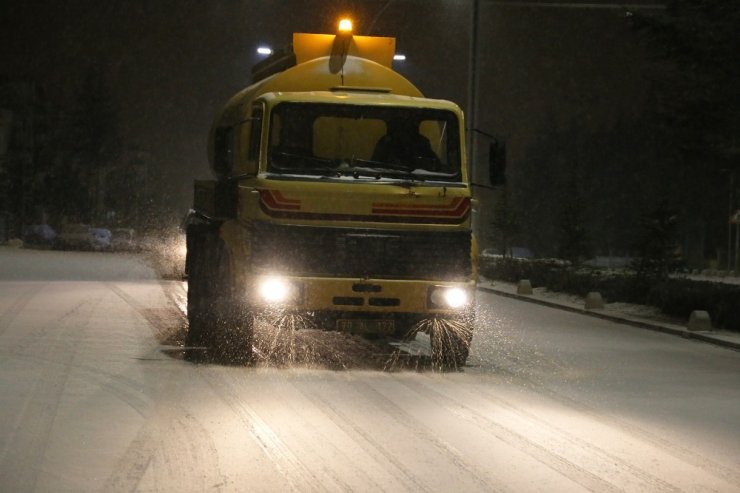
(471,113)
(733,221)
(264,50)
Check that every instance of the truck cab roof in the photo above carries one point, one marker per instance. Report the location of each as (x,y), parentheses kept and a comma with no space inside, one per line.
(358,96)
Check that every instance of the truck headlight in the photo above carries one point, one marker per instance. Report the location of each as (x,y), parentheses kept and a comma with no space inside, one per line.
(449,297)
(278,290)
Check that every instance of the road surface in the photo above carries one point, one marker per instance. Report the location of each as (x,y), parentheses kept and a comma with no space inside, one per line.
(96,397)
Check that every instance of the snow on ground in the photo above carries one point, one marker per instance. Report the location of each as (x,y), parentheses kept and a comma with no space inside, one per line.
(48,265)
(551,400)
(620,308)
(630,310)
(723,278)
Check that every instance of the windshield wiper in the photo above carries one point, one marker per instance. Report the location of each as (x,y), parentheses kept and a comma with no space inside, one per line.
(377,173)
(312,165)
(325,171)
(397,173)
(377,170)
(401,171)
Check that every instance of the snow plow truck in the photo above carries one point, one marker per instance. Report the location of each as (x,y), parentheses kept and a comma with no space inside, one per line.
(341,195)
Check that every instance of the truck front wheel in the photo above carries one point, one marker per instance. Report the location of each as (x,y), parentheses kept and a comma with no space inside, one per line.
(234,325)
(450,341)
(200,241)
(217,322)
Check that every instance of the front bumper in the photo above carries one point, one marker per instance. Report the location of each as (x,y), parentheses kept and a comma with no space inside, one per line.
(342,295)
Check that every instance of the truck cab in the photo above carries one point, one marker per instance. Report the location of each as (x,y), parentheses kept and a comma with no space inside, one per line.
(340,194)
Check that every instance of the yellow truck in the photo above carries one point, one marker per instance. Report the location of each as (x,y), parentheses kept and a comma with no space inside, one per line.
(341,194)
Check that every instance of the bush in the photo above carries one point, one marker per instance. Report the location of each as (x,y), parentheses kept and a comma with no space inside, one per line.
(562,276)
(674,297)
(679,297)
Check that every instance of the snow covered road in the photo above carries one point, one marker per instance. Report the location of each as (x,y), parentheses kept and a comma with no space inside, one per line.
(94,398)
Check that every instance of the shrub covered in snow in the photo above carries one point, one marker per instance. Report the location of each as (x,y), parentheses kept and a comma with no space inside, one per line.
(679,297)
(674,297)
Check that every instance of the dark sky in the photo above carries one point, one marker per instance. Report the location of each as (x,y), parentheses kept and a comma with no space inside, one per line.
(540,66)
(171,64)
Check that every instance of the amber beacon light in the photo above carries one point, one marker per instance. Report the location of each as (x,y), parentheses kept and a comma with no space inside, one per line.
(345,26)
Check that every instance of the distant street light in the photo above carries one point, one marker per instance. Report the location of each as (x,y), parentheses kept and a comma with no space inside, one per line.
(264,50)
(399,57)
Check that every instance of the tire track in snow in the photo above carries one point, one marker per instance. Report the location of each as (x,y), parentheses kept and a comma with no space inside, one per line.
(310,425)
(153,445)
(672,449)
(369,444)
(170,440)
(12,312)
(608,460)
(35,422)
(33,337)
(186,442)
(291,467)
(125,389)
(543,453)
(424,434)
(157,319)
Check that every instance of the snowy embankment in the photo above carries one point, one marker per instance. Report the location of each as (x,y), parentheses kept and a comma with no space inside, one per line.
(717,276)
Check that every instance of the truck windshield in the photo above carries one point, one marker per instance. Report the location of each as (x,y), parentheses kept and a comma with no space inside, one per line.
(334,140)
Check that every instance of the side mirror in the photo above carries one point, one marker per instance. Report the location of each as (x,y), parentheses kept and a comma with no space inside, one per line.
(497,163)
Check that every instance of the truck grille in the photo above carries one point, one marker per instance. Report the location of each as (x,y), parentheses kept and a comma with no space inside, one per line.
(364,253)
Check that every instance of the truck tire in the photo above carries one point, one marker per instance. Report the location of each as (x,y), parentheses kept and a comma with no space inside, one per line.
(199,239)
(232,323)
(450,348)
(234,335)
(407,327)
(217,322)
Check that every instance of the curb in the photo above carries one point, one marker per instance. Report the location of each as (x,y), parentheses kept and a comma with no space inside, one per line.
(655,326)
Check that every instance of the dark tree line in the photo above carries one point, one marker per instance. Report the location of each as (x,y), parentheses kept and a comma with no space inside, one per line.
(82,170)
(695,117)
(582,191)
(85,139)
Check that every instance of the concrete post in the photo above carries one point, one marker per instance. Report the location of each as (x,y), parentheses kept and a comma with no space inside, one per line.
(524,287)
(699,320)
(594,301)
